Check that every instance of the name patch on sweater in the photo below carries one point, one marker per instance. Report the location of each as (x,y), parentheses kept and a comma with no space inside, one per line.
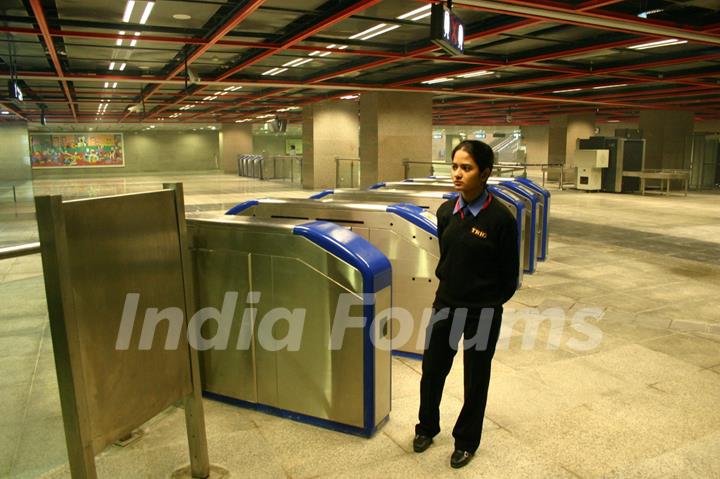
(478,232)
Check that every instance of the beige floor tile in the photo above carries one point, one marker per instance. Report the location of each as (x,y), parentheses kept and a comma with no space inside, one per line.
(307,451)
(41,447)
(623,302)
(518,398)
(690,348)
(579,379)
(501,455)
(642,366)
(405,380)
(589,444)
(699,459)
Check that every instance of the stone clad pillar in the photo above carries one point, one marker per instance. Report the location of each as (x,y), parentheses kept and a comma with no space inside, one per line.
(15,153)
(563,134)
(393,127)
(235,139)
(330,130)
(668,138)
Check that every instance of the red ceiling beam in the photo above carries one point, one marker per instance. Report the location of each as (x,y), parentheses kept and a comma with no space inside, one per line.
(326,23)
(422,51)
(14,109)
(261,45)
(660,63)
(577,51)
(598,20)
(229,26)
(593,4)
(219,33)
(47,38)
(321,25)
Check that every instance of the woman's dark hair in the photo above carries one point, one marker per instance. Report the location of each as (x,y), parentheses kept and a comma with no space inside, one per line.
(480,152)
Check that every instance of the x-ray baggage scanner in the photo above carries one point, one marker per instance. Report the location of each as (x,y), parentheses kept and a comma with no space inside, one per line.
(405,233)
(279,271)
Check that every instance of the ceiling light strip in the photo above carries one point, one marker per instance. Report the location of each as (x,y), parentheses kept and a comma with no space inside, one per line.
(369,30)
(128,11)
(603,87)
(476,74)
(146,13)
(385,30)
(658,44)
(414,12)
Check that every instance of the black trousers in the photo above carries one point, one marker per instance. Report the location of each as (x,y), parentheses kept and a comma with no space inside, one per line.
(480,338)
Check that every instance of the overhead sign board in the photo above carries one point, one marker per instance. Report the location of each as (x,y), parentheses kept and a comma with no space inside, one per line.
(15,91)
(446,29)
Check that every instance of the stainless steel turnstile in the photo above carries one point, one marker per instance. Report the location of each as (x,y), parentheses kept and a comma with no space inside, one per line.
(544,196)
(537,196)
(444,183)
(405,233)
(532,206)
(432,201)
(281,271)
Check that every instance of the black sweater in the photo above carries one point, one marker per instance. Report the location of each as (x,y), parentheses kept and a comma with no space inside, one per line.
(479,260)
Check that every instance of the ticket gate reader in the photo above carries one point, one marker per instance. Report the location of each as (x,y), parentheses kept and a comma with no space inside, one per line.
(405,233)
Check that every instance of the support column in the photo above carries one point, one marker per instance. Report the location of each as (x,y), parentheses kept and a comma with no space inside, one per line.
(535,139)
(393,127)
(330,130)
(15,153)
(235,139)
(563,135)
(668,138)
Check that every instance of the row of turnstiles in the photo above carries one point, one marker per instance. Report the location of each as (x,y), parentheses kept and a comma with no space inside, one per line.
(310,272)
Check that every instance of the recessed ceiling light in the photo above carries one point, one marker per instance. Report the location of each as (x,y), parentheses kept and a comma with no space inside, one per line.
(128,11)
(182,16)
(146,12)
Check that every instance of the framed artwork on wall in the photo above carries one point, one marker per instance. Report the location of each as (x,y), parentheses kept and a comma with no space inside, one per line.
(77,150)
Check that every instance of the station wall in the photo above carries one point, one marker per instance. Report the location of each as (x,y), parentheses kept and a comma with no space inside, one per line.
(155,152)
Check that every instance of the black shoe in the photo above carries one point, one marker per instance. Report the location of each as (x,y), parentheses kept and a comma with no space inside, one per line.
(421,442)
(460,458)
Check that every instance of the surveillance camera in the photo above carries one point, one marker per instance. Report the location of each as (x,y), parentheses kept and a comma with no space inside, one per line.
(192,76)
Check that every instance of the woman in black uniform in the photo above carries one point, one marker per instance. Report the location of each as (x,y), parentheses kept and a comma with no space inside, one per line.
(478,272)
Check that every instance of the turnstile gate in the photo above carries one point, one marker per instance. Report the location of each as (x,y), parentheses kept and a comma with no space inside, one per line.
(280,291)
(403,232)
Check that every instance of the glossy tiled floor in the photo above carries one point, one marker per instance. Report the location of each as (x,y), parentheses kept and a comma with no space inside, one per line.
(642,402)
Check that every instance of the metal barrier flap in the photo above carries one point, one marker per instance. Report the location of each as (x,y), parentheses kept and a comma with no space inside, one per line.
(351,248)
(240,207)
(415,215)
(107,262)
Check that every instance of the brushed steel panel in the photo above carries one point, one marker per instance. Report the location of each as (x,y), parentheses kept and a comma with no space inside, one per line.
(383,363)
(413,252)
(331,381)
(113,251)
(265,361)
(284,268)
(216,273)
(432,201)
(413,278)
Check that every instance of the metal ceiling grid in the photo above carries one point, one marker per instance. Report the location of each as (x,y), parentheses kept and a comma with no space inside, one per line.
(251,58)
